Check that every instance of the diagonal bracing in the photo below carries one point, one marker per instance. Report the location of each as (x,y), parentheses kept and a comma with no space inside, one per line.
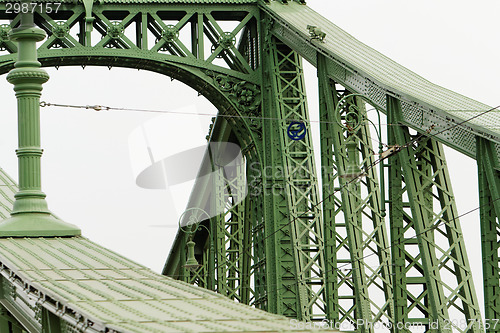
(358,259)
(295,228)
(434,278)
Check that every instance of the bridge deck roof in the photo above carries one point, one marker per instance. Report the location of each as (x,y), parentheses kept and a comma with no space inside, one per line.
(116,293)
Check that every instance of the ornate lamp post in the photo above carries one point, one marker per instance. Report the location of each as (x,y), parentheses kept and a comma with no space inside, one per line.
(30,216)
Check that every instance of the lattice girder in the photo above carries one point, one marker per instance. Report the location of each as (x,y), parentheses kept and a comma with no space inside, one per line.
(277,238)
(231,234)
(448,288)
(353,213)
(229,80)
(222,241)
(293,228)
(182,33)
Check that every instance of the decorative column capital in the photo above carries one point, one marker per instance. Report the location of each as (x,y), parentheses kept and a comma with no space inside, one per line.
(25,75)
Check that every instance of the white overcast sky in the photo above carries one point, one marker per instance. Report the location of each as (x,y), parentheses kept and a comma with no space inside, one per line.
(87,169)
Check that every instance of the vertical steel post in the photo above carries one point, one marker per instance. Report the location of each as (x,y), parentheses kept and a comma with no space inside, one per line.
(293,221)
(50,322)
(229,231)
(433,281)
(327,101)
(358,260)
(489,201)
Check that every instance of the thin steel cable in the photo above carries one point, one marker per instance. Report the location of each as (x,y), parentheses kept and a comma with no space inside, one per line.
(411,142)
(406,145)
(110,108)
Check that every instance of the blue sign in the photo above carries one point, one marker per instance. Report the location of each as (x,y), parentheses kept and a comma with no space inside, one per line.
(297,130)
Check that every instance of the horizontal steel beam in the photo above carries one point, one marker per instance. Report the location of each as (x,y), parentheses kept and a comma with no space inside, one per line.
(420,110)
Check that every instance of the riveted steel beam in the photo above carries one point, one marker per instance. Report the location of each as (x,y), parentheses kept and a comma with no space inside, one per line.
(231,233)
(433,282)
(181,32)
(363,70)
(293,226)
(8,322)
(50,322)
(273,250)
(489,200)
(356,240)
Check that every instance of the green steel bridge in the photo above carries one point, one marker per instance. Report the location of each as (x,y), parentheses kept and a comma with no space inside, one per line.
(377,247)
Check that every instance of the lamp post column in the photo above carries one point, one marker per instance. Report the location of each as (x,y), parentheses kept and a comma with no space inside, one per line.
(30,216)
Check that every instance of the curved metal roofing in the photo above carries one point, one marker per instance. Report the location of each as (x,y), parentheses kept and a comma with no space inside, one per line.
(98,287)
(102,291)
(7,190)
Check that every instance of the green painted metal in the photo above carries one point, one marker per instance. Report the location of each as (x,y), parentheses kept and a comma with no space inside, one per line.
(358,242)
(489,200)
(50,322)
(334,311)
(231,235)
(223,240)
(93,289)
(361,69)
(408,268)
(294,232)
(282,249)
(30,216)
(139,37)
(8,323)
(433,280)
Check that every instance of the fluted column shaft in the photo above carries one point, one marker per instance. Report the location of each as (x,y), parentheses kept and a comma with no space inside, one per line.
(27,78)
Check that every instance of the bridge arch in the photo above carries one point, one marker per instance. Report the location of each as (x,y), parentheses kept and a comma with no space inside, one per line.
(205,82)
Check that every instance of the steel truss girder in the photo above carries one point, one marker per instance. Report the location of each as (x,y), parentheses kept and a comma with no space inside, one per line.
(255,213)
(217,267)
(281,241)
(223,242)
(438,270)
(231,82)
(361,232)
(294,242)
(232,234)
(224,247)
(182,32)
(489,201)
(416,113)
(231,90)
